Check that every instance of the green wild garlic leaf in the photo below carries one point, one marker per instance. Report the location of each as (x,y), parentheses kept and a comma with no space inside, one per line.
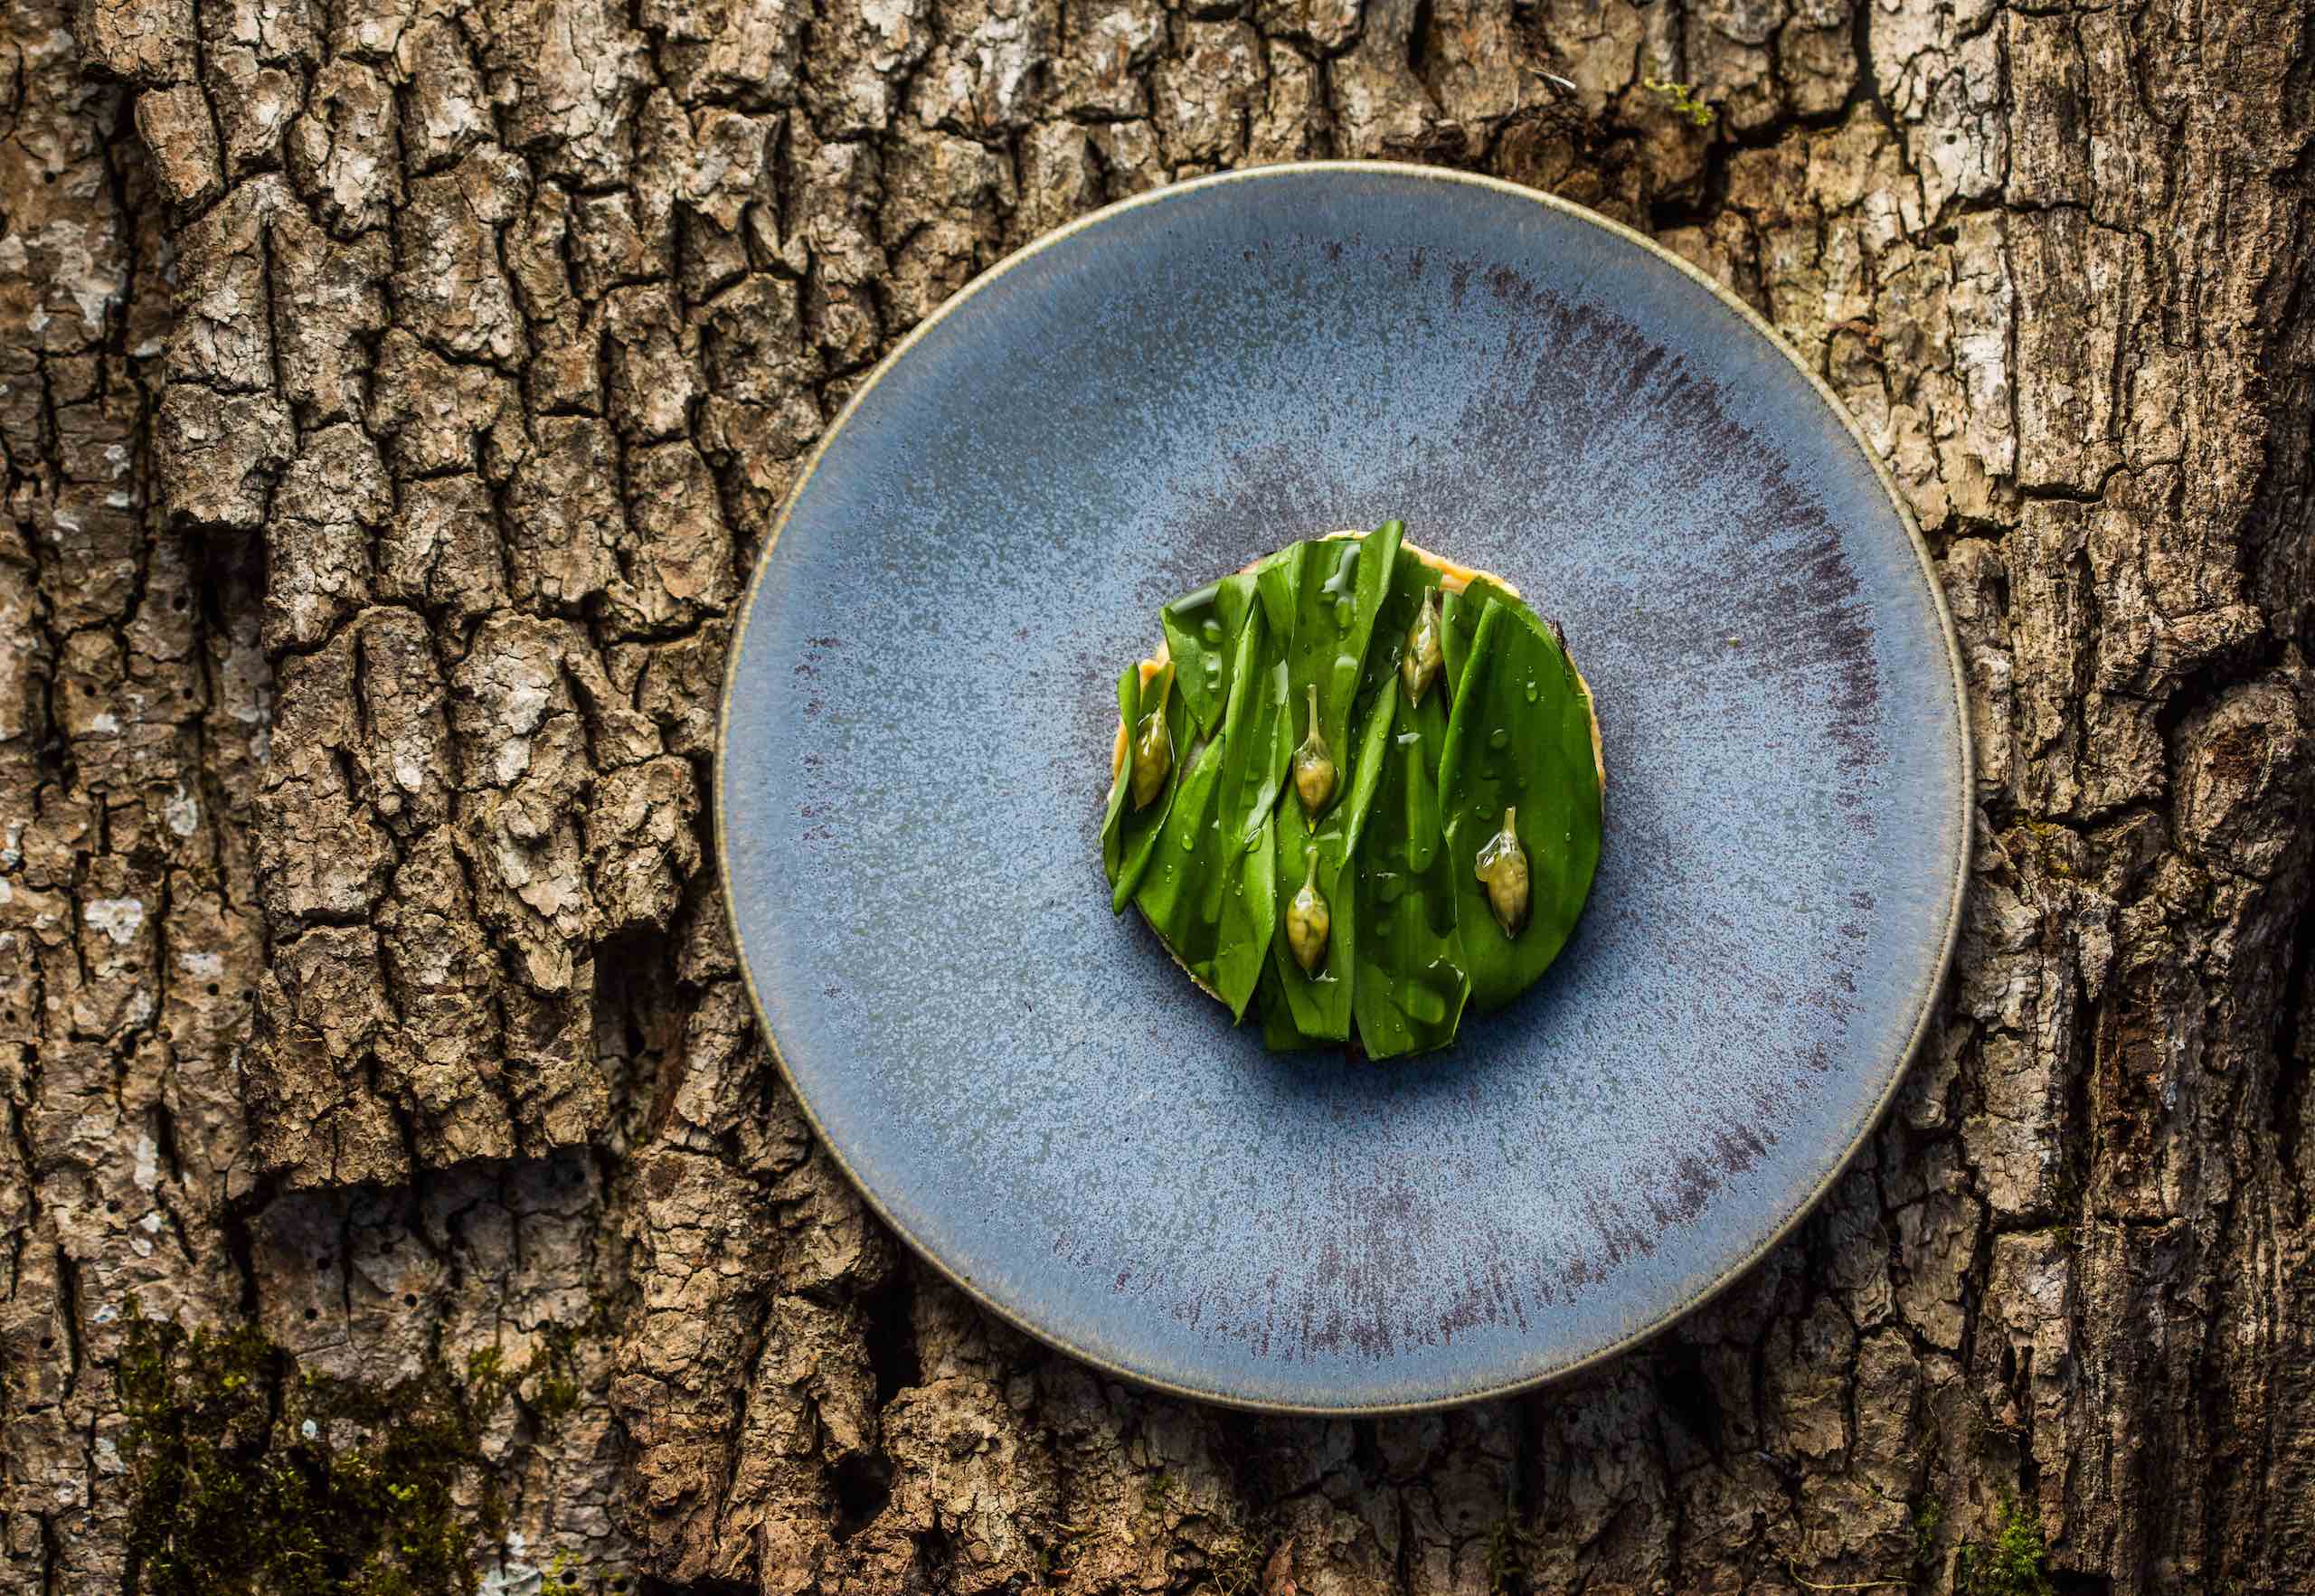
(1519,737)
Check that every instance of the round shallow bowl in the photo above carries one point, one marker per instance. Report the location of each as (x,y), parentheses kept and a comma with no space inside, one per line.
(916,739)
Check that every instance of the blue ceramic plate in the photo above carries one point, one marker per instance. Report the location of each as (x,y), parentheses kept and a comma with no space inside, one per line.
(916,746)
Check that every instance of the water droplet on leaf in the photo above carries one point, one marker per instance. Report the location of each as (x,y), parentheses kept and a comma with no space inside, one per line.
(1423,1004)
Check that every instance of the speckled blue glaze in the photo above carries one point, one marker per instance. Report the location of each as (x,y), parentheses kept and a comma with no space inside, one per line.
(916,745)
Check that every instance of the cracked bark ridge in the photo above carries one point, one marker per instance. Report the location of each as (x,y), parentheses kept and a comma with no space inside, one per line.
(136,717)
(429,348)
(132,707)
(497,332)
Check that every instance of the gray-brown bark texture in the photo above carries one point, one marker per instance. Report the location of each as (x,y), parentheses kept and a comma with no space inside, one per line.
(391,395)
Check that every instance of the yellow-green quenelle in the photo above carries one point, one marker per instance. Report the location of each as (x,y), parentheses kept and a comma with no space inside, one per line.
(1357,787)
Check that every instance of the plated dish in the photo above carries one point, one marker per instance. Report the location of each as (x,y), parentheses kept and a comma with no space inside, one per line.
(1375,877)
(920,716)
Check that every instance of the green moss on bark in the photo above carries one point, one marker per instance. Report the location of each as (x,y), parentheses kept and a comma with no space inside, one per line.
(250,1476)
(2013,1563)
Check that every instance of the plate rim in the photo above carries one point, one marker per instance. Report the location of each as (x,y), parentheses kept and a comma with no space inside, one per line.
(1956,892)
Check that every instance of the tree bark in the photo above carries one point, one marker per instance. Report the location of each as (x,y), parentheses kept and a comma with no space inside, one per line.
(393,396)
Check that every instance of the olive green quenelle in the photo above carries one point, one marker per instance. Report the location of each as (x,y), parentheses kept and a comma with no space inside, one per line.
(1152,754)
(1443,824)
(1314,767)
(1502,865)
(1419,667)
(1307,920)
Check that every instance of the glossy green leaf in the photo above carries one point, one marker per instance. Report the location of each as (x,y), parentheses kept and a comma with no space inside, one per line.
(1182,890)
(1249,918)
(1321,1002)
(1337,588)
(1338,591)
(1459,621)
(1128,700)
(1201,638)
(1519,736)
(1128,834)
(1280,1034)
(1255,727)
(1409,580)
(1223,824)
(1253,768)
(1276,579)
(1409,985)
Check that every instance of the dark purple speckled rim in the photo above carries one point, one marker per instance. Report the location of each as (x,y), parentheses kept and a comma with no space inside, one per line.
(1967,786)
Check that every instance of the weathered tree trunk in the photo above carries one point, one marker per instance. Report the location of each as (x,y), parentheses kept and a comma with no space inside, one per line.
(392,396)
